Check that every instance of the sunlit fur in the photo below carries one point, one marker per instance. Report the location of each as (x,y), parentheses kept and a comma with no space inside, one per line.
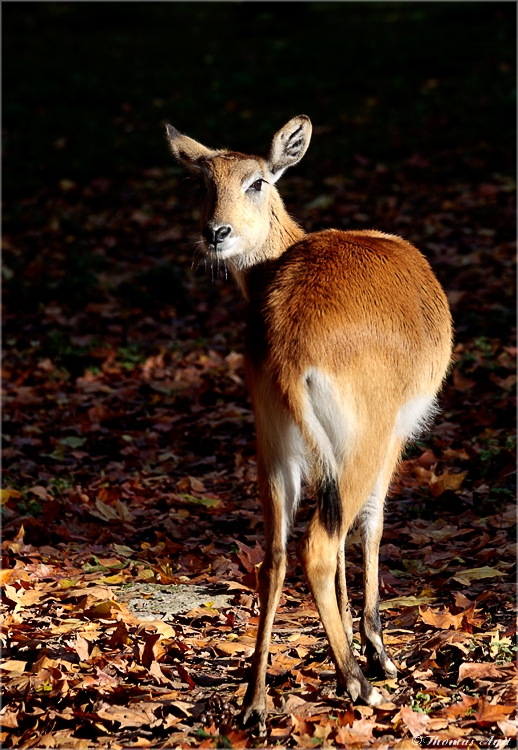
(348,340)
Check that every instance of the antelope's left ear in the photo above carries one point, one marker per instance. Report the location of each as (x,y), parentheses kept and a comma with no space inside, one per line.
(186,149)
(289,145)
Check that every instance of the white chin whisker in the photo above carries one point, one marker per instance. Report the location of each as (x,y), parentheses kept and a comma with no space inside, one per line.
(230,254)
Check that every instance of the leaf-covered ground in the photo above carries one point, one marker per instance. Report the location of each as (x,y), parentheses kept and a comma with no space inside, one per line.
(129,457)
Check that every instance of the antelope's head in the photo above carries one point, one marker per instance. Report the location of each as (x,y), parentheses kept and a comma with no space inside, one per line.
(240,201)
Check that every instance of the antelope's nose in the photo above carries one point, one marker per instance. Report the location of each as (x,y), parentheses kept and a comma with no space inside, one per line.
(213,235)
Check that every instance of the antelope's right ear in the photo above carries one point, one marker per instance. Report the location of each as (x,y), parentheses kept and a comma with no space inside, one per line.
(187,150)
(289,145)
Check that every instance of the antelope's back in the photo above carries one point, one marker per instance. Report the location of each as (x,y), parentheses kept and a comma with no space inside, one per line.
(362,306)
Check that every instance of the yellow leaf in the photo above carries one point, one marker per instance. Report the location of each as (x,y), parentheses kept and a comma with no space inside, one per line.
(497,643)
(465,577)
(446,481)
(406,601)
(6,574)
(116,578)
(7,494)
(67,583)
(104,609)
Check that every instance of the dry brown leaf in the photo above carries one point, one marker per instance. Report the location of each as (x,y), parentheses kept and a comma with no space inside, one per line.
(231,648)
(461,600)
(488,713)
(446,481)
(445,620)
(301,726)
(460,382)
(152,649)
(322,732)
(165,630)
(460,708)
(127,716)
(82,647)
(478,671)
(14,665)
(442,620)
(183,706)
(238,738)
(156,672)
(436,725)
(40,492)
(416,722)
(508,728)
(94,592)
(120,636)
(118,512)
(9,718)
(358,734)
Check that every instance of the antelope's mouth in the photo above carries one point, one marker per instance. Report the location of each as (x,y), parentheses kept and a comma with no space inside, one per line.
(225,249)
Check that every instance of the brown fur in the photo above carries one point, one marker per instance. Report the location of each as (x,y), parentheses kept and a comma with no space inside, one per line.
(348,340)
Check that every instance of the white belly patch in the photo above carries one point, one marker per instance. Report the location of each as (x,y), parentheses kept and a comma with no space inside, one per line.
(415,416)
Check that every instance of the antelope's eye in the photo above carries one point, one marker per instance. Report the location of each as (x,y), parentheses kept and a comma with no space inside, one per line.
(199,185)
(257,185)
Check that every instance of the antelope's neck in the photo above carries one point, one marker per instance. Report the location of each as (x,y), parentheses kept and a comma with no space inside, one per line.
(283,233)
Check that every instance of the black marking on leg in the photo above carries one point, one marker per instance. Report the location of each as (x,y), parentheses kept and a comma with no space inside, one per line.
(330,505)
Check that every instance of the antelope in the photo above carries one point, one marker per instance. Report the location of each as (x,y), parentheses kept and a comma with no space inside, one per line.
(348,339)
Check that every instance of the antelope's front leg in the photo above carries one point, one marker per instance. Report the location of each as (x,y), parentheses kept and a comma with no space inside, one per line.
(271,578)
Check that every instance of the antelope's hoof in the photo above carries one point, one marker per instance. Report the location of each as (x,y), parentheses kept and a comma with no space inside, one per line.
(375,698)
(253,718)
(389,668)
(380,666)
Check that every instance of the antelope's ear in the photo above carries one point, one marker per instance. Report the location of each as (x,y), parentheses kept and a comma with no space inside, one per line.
(187,150)
(289,145)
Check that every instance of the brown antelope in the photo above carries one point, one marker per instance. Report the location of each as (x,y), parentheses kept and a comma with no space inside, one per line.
(348,340)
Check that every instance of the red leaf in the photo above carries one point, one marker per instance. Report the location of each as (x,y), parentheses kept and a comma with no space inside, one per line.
(185,676)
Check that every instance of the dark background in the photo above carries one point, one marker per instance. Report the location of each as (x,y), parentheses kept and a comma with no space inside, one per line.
(87,87)
(413,108)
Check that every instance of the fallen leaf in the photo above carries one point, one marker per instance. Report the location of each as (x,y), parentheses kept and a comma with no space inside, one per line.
(442,620)
(466,577)
(487,713)
(8,493)
(14,665)
(406,601)
(9,718)
(479,671)
(416,722)
(446,481)
(127,716)
(508,728)
(358,734)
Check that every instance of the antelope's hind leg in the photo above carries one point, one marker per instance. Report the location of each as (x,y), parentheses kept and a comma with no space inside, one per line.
(341,594)
(371,528)
(319,552)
